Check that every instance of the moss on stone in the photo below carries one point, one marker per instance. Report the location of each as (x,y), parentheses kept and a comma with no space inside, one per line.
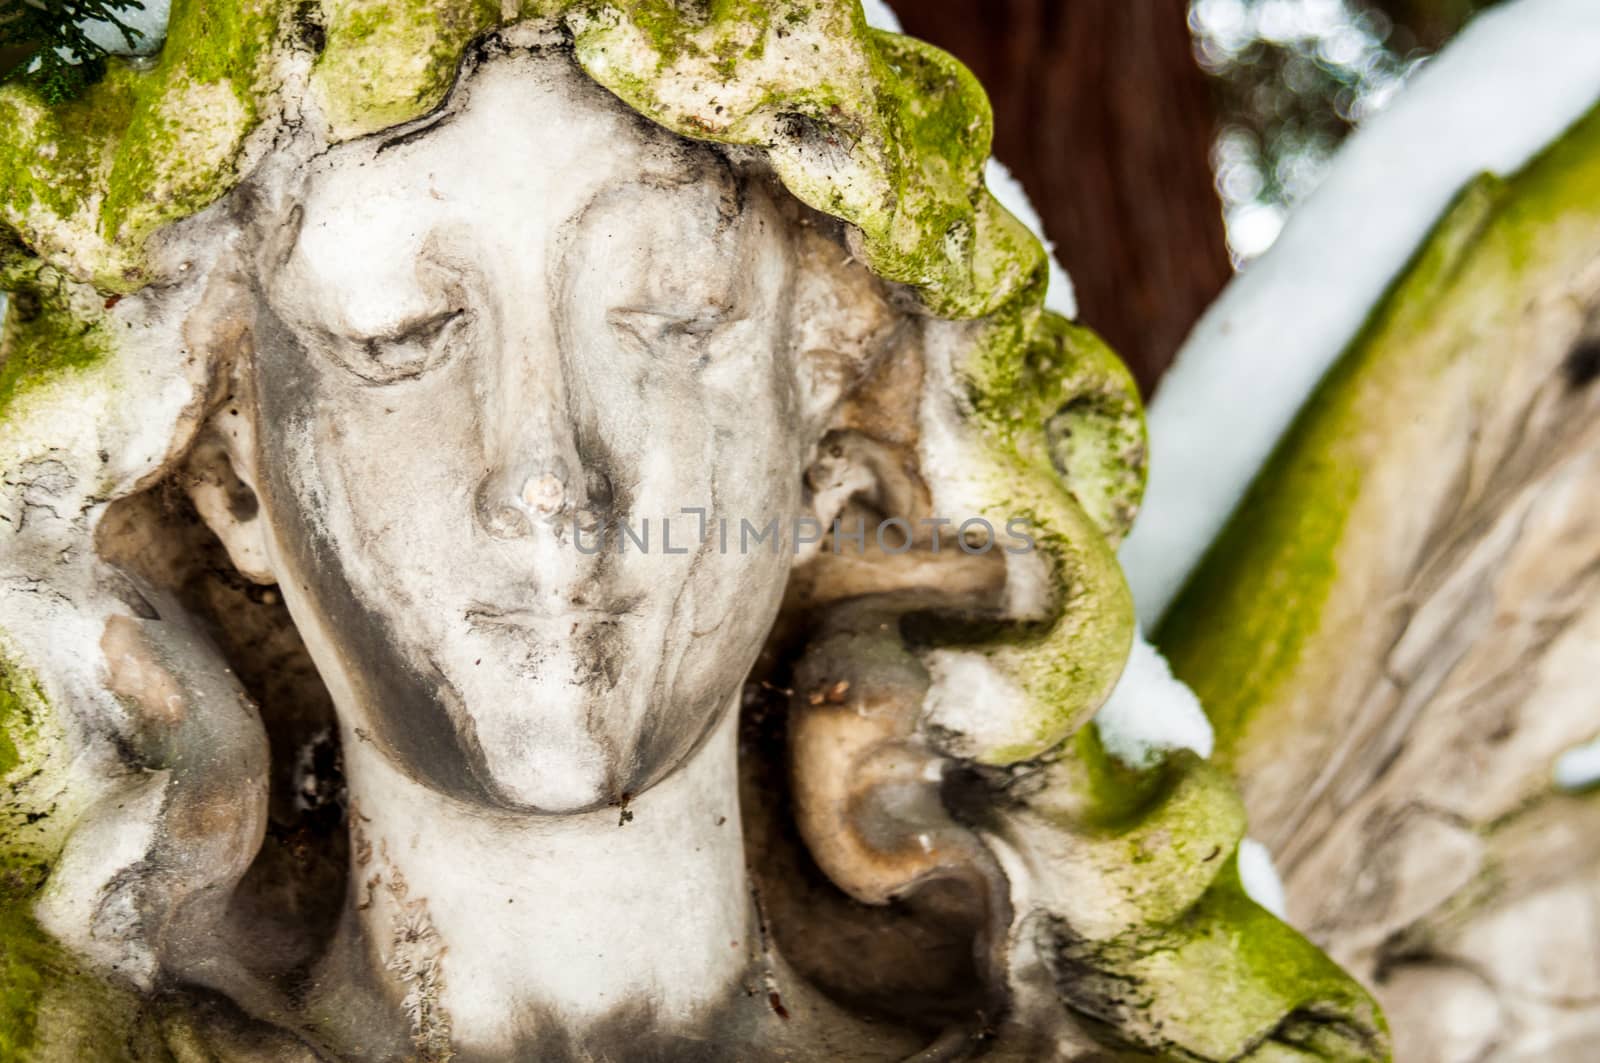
(1222,980)
(19,696)
(33,813)
(53,1010)
(1153,934)
(388,61)
(32,966)
(1226,975)
(86,183)
(1151,841)
(1061,445)
(189,117)
(44,335)
(1063,390)
(883,131)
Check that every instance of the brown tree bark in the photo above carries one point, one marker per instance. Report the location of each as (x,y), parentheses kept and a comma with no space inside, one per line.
(1103,114)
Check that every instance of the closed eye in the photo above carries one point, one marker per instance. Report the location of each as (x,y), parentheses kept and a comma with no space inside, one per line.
(685,338)
(410,349)
(424,329)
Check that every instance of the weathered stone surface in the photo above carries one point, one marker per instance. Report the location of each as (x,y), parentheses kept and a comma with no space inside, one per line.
(1396,636)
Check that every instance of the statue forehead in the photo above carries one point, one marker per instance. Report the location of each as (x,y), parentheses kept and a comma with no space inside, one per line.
(528,146)
(524,128)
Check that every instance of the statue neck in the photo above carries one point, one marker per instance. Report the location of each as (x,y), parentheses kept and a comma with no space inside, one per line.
(491,925)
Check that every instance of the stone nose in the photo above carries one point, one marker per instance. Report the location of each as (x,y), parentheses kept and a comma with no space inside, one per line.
(511,502)
(544,495)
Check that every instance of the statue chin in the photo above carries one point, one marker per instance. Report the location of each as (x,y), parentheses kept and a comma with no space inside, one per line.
(557,764)
(557,734)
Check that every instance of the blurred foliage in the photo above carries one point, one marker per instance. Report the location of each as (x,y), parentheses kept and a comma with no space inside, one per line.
(48,50)
(1293,78)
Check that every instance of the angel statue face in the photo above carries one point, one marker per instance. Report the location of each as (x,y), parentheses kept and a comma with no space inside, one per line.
(492,354)
(510,540)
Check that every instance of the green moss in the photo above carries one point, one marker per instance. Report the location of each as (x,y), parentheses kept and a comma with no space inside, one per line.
(1113,795)
(1223,981)
(888,134)
(1154,934)
(31,766)
(43,337)
(52,1009)
(1300,501)
(892,134)
(1060,446)
(1060,388)
(1251,631)
(25,955)
(1227,972)
(178,152)
(18,696)
(86,183)
(72,138)
(388,61)
(1151,841)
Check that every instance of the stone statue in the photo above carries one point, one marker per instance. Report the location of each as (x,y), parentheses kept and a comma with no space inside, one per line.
(565,531)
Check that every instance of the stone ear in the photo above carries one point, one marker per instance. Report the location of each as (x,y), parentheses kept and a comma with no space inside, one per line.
(220,483)
(844,319)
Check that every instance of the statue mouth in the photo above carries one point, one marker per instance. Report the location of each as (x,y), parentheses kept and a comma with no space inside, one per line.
(488,616)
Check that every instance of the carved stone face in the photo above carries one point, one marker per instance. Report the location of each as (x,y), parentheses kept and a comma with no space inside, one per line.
(537,314)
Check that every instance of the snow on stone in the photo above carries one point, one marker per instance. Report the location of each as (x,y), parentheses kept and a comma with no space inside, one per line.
(1060,296)
(1578,768)
(1260,879)
(1151,713)
(1516,78)
(1007,189)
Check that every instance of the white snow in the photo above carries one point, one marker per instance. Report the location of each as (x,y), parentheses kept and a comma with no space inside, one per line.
(1260,879)
(1507,86)
(1150,713)
(881,16)
(151,21)
(1060,296)
(1578,768)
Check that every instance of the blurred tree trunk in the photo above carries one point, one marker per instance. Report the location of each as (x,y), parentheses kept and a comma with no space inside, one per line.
(1102,112)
